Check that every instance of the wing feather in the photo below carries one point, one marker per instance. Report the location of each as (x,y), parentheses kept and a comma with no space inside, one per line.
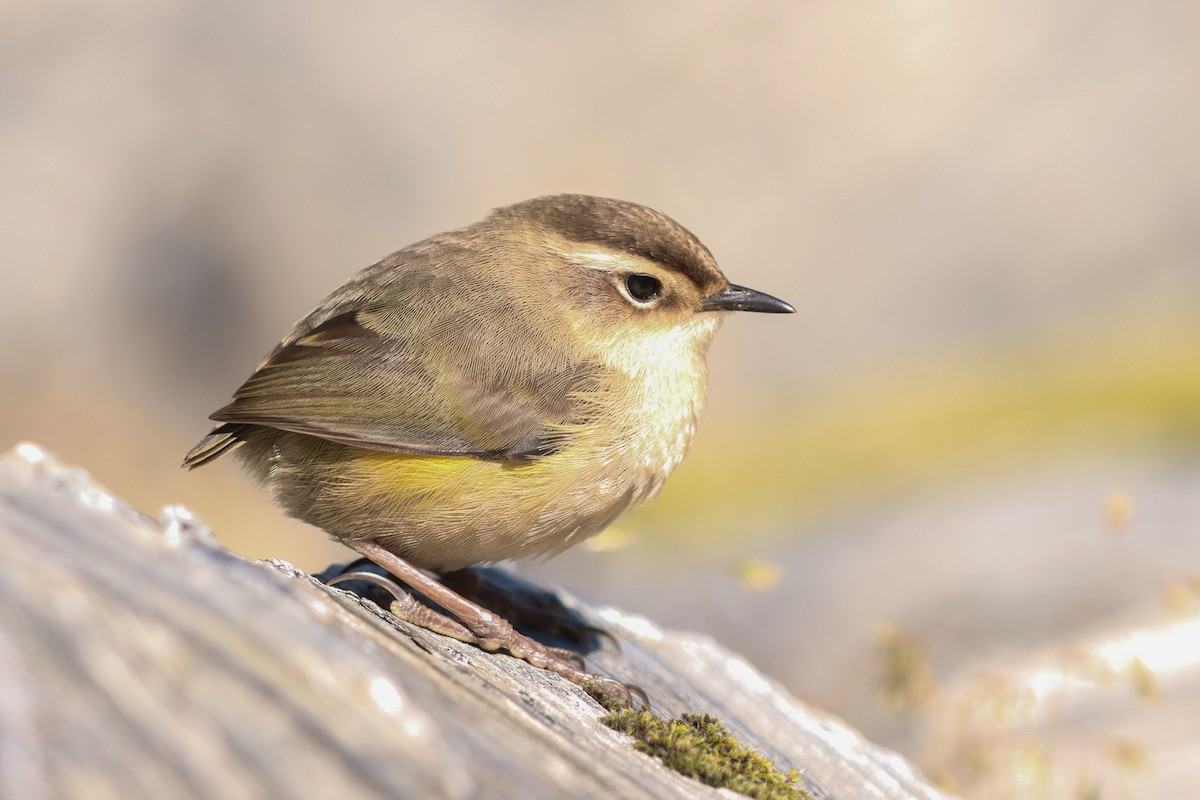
(451,371)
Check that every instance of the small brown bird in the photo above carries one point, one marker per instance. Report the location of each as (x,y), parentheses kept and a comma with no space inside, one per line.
(501,390)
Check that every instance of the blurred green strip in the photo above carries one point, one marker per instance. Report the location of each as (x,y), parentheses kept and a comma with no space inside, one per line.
(1132,389)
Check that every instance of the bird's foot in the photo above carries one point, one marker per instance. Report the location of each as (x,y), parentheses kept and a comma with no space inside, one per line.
(407,607)
(469,622)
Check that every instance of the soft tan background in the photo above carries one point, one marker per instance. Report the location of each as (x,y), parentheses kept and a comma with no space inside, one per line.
(984,213)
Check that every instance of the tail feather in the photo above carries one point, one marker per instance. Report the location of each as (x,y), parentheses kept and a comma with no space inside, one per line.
(213,446)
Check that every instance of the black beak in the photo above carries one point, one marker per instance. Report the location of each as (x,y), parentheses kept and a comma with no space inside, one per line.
(739,298)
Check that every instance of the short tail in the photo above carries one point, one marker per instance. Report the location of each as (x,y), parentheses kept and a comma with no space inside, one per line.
(213,446)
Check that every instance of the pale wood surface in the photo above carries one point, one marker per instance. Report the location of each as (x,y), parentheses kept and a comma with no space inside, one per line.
(140,659)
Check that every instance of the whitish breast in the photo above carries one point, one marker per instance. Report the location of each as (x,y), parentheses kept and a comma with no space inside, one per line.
(667,375)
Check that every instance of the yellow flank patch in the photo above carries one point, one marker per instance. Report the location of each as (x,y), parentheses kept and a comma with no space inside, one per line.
(423,482)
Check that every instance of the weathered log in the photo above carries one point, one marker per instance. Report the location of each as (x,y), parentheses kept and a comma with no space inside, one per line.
(140,659)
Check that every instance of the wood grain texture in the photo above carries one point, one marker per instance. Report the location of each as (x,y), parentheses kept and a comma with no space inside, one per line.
(140,659)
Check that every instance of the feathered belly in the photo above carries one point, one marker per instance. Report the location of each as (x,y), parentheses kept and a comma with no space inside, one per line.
(447,512)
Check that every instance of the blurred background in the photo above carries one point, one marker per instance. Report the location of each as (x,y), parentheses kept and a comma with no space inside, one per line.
(954,499)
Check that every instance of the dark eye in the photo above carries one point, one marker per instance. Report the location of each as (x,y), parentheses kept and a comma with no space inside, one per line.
(643,288)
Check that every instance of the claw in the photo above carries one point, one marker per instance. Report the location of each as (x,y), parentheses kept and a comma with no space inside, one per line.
(571,656)
(601,633)
(637,691)
(611,694)
(387,584)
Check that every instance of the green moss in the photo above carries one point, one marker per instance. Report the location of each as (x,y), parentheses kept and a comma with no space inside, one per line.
(700,747)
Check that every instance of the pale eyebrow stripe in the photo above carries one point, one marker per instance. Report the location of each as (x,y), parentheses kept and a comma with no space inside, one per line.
(593,259)
(605,262)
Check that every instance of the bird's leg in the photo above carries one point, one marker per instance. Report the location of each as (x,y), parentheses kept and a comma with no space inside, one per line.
(408,608)
(524,603)
(490,631)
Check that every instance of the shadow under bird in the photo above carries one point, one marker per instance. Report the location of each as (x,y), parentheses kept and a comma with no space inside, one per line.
(502,390)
